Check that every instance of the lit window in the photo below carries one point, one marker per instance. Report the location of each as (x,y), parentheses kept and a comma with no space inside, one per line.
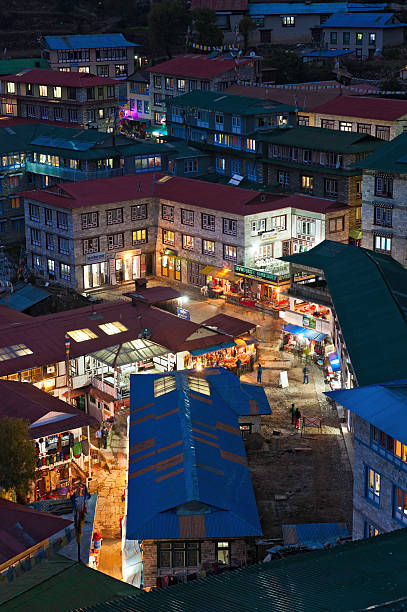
(43,90)
(80,335)
(164,385)
(11,88)
(113,328)
(16,350)
(57,92)
(199,385)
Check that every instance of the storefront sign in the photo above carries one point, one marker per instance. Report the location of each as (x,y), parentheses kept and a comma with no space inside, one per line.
(110,256)
(261,275)
(183,313)
(268,235)
(95,257)
(309,322)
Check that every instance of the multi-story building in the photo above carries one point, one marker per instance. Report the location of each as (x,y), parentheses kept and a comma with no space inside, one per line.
(187,73)
(106,55)
(79,99)
(380,456)
(228,127)
(384,216)
(137,108)
(381,117)
(365,33)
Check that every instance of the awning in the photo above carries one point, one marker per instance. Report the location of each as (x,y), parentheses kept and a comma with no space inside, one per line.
(222,273)
(212,349)
(249,339)
(334,362)
(170,252)
(304,331)
(355,234)
(73,393)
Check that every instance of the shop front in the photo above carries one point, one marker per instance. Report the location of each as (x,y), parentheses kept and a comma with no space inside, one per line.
(304,340)
(224,355)
(222,282)
(333,368)
(171,265)
(96,271)
(128,266)
(265,288)
(113,268)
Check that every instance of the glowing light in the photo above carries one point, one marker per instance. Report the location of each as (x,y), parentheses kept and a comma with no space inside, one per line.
(199,366)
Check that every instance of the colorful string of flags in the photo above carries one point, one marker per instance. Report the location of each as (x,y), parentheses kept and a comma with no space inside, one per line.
(319,87)
(199,47)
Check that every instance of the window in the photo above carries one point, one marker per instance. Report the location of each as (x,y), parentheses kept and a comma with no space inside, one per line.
(187,217)
(359,38)
(303,120)
(35,237)
(384,186)
(15,202)
(113,328)
(80,335)
(229,252)
(328,124)
(140,236)
(110,91)
(372,39)
(345,126)
(219,121)
(14,181)
(139,212)
(139,106)
(372,485)
(120,70)
(278,222)
(305,226)
(167,212)
(48,216)
(181,84)
(146,107)
(91,245)
(62,220)
(208,247)
(114,216)
(190,165)
(168,237)
(399,503)
(51,267)
(230,227)
(192,85)
(364,128)
(236,124)
(34,212)
(383,216)
(157,82)
(250,144)
(334,38)
(282,177)
(44,112)
(30,110)
(43,89)
(84,69)
(57,91)
(223,553)
(13,351)
(72,115)
(220,165)
(169,83)
(63,246)
(188,242)
(331,187)
(346,38)
(58,114)
(164,385)
(337,224)
(90,93)
(235,166)
(115,241)
(49,240)
(89,220)
(288,21)
(199,385)
(370,530)
(103,71)
(208,222)
(11,88)
(37,263)
(382,243)
(178,554)
(383,132)
(245,430)
(307,183)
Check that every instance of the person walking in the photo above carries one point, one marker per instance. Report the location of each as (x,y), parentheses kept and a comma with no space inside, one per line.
(105,434)
(259,372)
(292,410)
(306,375)
(297,417)
(99,437)
(251,362)
(239,367)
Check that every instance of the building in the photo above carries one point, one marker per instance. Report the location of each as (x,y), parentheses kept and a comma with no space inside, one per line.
(365,33)
(226,126)
(187,457)
(384,206)
(321,57)
(80,99)
(187,73)
(228,15)
(136,112)
(14,66)
(384,118)
(106,55)
(380,456)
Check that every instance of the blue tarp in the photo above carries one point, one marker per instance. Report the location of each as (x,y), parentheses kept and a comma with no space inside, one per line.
(212,349)
(314,535)
(304,331)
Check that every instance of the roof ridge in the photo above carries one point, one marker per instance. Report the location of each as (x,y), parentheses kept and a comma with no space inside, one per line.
(368,254)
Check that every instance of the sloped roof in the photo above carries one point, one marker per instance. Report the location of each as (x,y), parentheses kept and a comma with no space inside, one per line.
(55,77)
(227,103)
(322,139)
(305,99)
(390,157)
(10,315)
(25,296)
(366,287)
(187,457)
(195,65)
(362,20)
(309,203)
(86,41)
(294,8)
(229,325)
(12,66)
(366,107)
(220,5)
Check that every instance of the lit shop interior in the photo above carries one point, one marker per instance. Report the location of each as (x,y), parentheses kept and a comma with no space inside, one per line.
(225,355)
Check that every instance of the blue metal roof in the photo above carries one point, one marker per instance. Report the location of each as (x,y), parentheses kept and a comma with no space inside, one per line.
(243,398)
(362,20)
(187,462)
(314,535)
(304,331)
(86,41)
(328,53)
(24,298)
(384,406)
(295,8)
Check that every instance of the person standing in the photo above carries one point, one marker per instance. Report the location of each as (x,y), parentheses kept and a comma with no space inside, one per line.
(105,433)
(292,410)
(259,372)
(239,367)
(99,437)
(251,362)
(306,375)
(297,417)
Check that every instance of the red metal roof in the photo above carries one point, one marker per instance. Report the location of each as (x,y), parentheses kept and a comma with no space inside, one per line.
(229,325)
(305,202)
(153,295)
(7,121)
(21,528)
(385,109)
(55,77)
(10,315)
(220,5)
(195,65)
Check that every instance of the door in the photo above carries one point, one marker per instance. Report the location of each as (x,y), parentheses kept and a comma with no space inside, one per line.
(136,266)
(164,266)
(128,268)
(177,269)
(286,248)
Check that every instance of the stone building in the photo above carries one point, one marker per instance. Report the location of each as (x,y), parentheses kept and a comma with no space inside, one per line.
(190,497)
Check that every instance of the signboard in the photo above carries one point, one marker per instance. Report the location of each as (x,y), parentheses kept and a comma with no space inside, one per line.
(183,313)
(283,379)
(261,275)
(309,322)
(110,256)
(95,257)
(268,235)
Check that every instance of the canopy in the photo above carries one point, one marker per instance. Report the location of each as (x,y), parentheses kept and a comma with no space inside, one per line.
(304,331)
(222,273)
(212,349)
(334,362)
(129,352)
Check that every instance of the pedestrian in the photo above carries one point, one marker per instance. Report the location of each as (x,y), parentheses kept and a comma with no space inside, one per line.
(297,417)
(99,437)
(105,433)
(251,362)
(239,367)
(306,375)
(292,410)
(259,372)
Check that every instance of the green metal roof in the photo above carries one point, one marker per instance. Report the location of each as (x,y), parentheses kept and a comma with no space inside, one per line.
(321,139)
(13,66)
(347,577)
(369,293)
(58,585)
(391,157)
(310,168)
(228,103)
(179,149)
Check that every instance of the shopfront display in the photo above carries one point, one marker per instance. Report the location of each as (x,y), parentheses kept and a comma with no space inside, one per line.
(171,267)
(265,288)
(225,355)
(305,340)
(95,275)
(222,282)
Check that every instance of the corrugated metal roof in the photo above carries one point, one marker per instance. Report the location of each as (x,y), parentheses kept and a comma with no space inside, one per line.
(86,41)
(187,458)
(228,103)
(314,534)
(327,53)
(322,139)
(391,156)
(12,66)
(23,298)
(384,406)
(198,66)
(367,107)
(363,20)
(295,8)
(366,288)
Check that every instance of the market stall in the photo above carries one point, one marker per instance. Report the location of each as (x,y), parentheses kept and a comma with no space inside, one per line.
(296,338)
(222,281)
(224,355)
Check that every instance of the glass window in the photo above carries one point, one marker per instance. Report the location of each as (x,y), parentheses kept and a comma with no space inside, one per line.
(364,128)
(230,227)
(288,21)
(188,242)
(48,216)
(91,245)
(114,216)
(400,504)
(345,126)
(370,530)
(383,132)
(199,384)
(337,225)
(167,212)
(43,90)
(115,327)
(383,216)
(384,186)
(168,237)
(307,183)
(223,556)
(11,88)
(331,187)
(90,220)
(140,236)
(62,220)
(181,84)
(115,241)
(190,165)
(229,252)
(164,385)
(63,246)
(208,247)
(359,38)
(373,485)
(13,351)
(35,237)
(334,38)
(382,243)
(80,335)
(372,38)
(208,222)
(139,212)
(187,217)
(346,38)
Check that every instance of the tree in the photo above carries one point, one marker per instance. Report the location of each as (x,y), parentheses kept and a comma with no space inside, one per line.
(246,25)
(206,30)
(17,456)
(168,22)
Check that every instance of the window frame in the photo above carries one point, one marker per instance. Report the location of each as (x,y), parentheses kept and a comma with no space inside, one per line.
(372,493)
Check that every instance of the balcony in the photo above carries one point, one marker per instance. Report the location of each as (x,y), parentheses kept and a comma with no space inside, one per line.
(71,174)
(309,292)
